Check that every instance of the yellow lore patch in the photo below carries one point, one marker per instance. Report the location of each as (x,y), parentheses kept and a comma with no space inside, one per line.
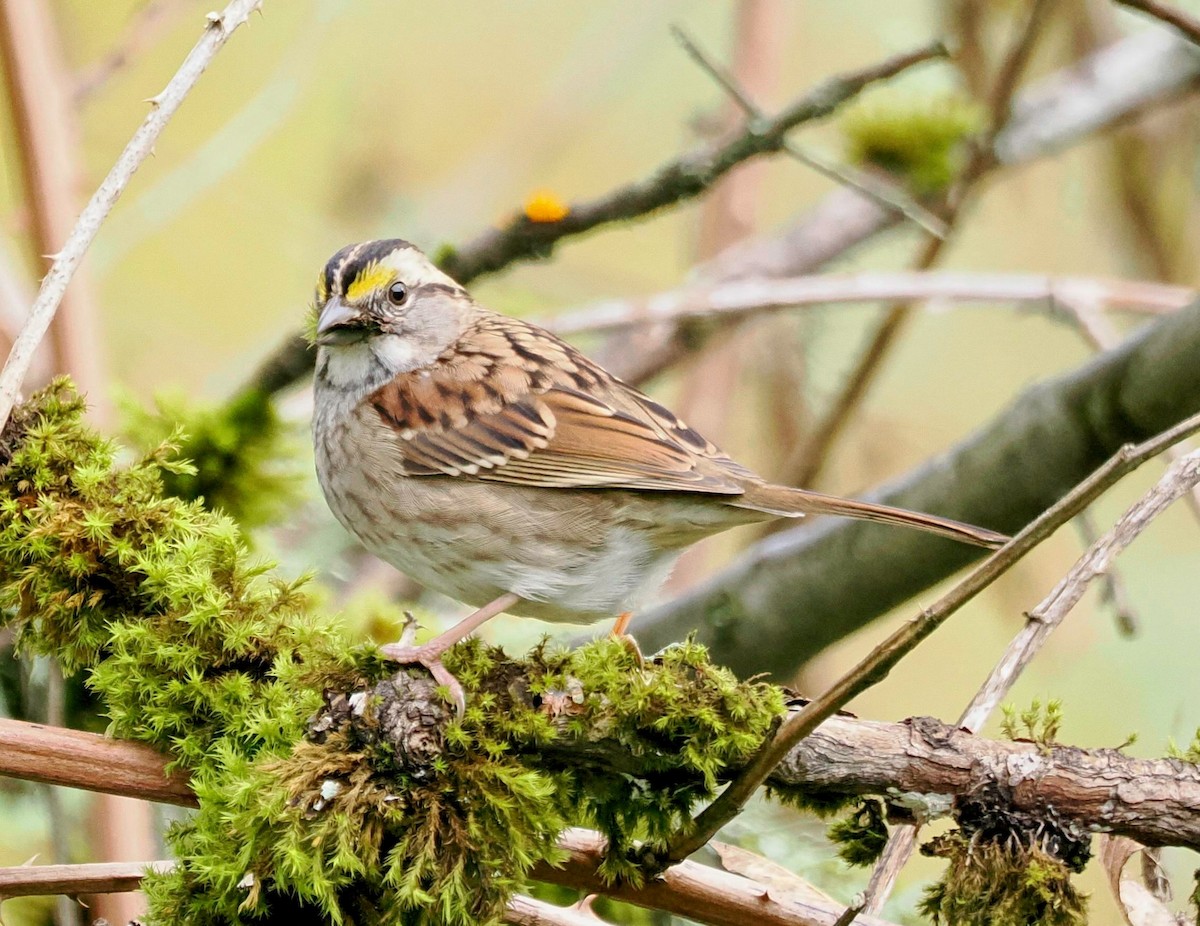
(370,278)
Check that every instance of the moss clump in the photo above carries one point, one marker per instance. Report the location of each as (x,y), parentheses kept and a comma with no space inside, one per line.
(988,884)
(1008,867)
(920,140)
(1037,724)
(199,651)
(234,456)
(862,835)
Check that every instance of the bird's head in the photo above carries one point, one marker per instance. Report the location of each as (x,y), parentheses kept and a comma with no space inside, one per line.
(383,308)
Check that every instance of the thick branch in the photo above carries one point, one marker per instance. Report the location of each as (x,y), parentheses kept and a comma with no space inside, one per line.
(1102,789)
(1155,801)
(790,596)
(75,759)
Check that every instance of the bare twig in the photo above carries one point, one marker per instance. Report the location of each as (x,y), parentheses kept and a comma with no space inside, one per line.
(885,194)
(1173,16)
(1049,613)
(677,181)
(762,295)
(1112,586)
(117,877)
(884,657)
(216,33)
(51,170)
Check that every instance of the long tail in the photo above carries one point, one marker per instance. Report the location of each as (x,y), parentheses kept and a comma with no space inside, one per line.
(789,502)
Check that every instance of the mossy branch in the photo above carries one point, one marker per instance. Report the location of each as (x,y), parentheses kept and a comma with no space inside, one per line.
(333,790)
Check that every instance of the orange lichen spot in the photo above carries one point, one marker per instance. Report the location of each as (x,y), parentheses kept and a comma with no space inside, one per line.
(545,206)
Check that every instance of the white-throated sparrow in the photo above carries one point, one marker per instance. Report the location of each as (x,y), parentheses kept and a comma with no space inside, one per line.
(494,463)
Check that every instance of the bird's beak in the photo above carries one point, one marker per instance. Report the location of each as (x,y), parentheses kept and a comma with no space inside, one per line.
(340,324)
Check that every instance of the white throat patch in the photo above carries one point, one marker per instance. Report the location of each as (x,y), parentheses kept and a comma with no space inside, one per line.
(367,365)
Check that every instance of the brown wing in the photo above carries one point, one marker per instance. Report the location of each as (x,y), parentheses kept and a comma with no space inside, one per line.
(512,403)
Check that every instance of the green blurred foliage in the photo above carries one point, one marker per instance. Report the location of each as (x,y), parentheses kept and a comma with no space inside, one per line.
(921,140)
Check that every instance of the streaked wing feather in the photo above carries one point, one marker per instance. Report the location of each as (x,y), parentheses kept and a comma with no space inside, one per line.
(511,403)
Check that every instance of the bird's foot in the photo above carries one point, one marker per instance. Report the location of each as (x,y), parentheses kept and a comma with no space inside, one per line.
(428,655)
(620,631)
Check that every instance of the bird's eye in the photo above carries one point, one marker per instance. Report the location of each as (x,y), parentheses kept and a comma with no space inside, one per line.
(397,293)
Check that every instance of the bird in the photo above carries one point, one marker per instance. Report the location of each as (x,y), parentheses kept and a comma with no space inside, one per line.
(493,462)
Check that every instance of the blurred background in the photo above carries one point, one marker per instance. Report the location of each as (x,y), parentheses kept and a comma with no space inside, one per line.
(326,122)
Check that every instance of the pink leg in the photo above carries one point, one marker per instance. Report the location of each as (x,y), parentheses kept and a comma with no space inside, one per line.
(429,654)
(621,632)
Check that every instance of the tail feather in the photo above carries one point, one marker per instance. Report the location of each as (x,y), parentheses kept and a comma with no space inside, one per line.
(791,503)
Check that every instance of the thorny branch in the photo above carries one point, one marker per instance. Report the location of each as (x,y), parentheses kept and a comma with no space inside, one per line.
(884,657)
(216,33)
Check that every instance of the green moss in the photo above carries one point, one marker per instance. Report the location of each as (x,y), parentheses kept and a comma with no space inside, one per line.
(1036,724)
(862,835)
(993,884)
(236,457)
(199,651)
(1190,754)
(921,140)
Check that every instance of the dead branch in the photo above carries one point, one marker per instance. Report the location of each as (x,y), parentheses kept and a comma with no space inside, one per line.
(765,295)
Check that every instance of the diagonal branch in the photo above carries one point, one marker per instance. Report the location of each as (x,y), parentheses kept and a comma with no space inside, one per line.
(216,33)
(1181,20)
(884,657)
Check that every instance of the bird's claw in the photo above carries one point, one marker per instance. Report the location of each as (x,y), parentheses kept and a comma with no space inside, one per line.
(431,658)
